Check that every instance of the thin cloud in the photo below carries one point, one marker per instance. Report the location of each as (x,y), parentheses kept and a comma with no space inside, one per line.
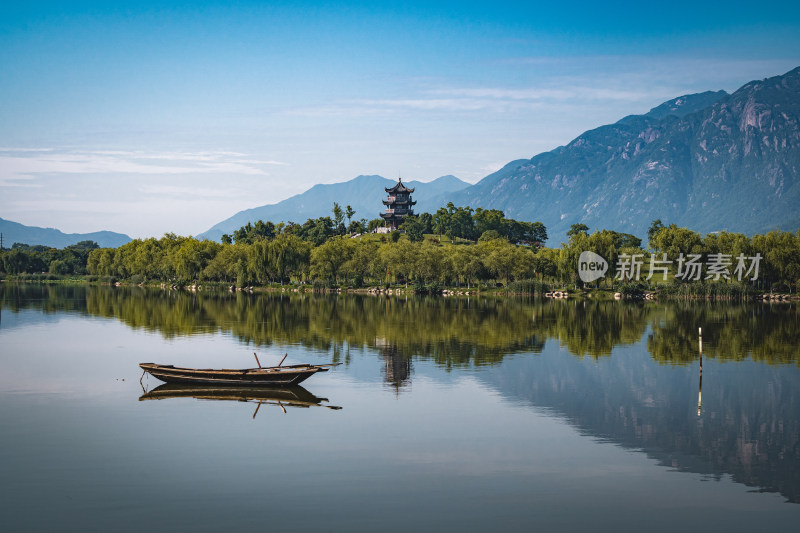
(543,94)
(187,191)
(670,72)
(379,107)
(572,91)
(19,165)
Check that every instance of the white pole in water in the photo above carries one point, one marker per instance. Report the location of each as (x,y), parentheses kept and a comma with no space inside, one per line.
(700,387)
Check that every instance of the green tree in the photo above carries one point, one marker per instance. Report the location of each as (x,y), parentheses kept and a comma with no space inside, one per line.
(100,262)
(374,224)
(223,266)
(569,253)
(490,220)
(83,245)
(576,229)
(289,256)
(362,262)
(249,233)
(674,241)
(317,230)
(426,219)
(545,262)
(400,259)
(655,227)
(490,235)
(414,228)
(328,258)
(499,258)
(781,253)
(530,233)
(454,222)
(467,263)
(58,266)
(338,218)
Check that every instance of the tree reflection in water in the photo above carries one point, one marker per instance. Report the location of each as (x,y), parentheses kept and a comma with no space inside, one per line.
(453,332)
(747,425)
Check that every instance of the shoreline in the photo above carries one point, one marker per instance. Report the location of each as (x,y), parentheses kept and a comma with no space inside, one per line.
(446,292)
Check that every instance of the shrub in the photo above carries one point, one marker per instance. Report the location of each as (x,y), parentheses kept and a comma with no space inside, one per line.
(714,290)
(527,286)
(632,288)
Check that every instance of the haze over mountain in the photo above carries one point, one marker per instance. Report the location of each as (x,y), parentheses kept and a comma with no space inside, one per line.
(16,232)
(363,194)
(708,161)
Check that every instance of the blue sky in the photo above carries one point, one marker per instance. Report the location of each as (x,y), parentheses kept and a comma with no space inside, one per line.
(150,117)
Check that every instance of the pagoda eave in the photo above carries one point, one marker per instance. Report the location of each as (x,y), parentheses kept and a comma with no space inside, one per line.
(398,188)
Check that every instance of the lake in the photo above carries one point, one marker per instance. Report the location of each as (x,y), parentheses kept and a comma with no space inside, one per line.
(446,414)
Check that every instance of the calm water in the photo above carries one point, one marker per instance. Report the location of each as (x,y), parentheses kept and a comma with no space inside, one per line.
(456,414)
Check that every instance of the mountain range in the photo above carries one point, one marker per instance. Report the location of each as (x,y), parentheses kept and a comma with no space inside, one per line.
(14,232)
(710,161)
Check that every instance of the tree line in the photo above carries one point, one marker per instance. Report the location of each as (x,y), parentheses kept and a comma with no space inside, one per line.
(779,253)
(456,246)
(338,260)
(22,258)
(451,221)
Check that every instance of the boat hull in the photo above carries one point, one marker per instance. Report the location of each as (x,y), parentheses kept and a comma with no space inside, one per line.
(249,377)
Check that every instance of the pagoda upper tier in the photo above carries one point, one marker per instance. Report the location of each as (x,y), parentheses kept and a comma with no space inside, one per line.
(399,201)
(398,188)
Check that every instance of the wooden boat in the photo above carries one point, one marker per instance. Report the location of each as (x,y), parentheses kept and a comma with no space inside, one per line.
(294,396)
(272,376)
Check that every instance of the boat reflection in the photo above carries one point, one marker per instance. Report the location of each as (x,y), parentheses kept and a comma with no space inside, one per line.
(283,397)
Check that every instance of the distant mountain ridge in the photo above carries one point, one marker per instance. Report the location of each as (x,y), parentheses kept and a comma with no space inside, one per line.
(363,194)
(710,161)
(32,235)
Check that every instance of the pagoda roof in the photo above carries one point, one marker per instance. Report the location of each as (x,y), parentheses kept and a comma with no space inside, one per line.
(399,187)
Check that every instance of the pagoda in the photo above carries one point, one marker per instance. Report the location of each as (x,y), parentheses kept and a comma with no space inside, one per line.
(398,204)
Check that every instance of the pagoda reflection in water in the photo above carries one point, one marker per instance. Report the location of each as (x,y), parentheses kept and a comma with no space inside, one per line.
(397,368)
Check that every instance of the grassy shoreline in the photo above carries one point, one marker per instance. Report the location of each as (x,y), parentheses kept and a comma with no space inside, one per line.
(526,288)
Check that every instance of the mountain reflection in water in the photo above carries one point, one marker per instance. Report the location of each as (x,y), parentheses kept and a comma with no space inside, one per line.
(748,426)
(626,373)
